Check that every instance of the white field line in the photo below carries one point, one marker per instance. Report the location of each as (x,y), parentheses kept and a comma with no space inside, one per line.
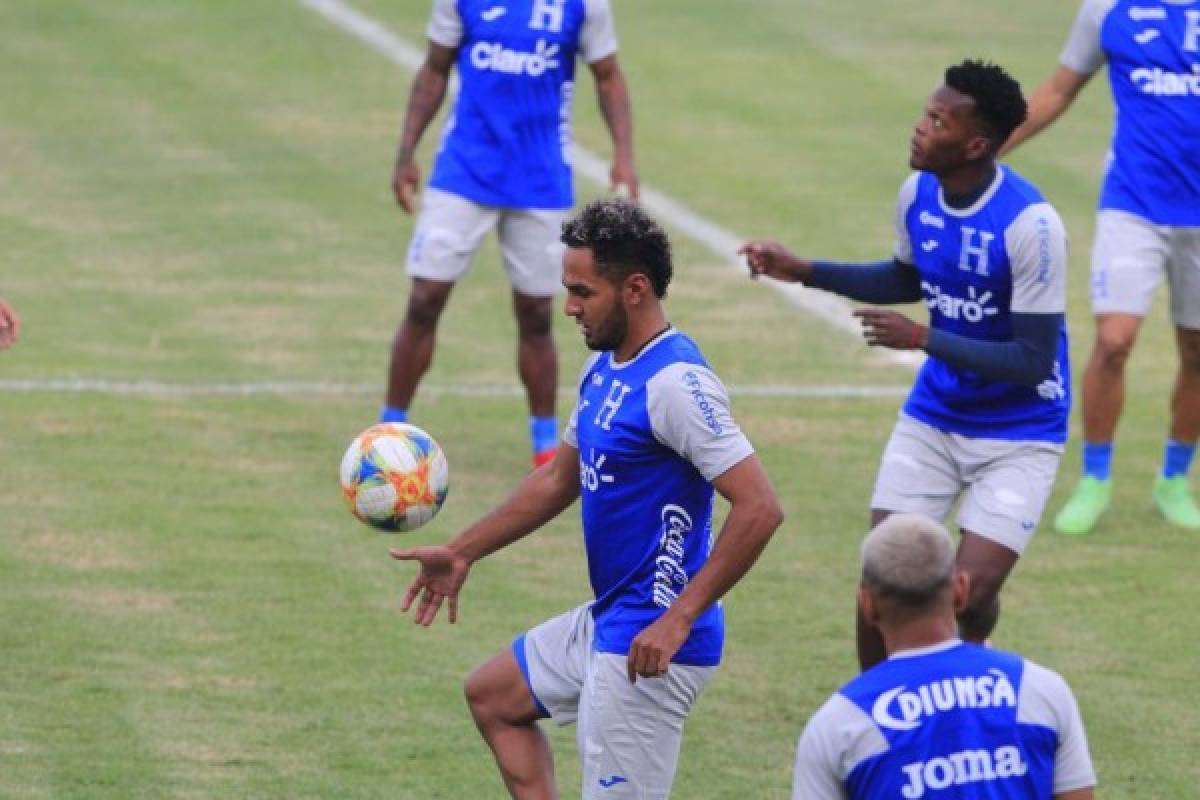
(722,242)
(303,389)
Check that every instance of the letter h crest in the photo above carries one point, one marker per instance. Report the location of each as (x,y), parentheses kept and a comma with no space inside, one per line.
(974,257)
(547,15)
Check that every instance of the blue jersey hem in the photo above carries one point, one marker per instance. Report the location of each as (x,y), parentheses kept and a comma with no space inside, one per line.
(1004,433)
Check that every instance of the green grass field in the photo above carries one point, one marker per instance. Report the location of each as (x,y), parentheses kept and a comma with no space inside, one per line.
(197,193)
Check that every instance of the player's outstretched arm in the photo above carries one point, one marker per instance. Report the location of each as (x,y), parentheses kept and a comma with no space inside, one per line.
(764,257)
(543,495)
(428,91)
(754,516)
(612,93)
(1048,102)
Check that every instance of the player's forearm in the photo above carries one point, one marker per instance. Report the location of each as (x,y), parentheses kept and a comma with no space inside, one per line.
(744,536)
(882,282)
(428,92)
(542,496)
(613,97)
(1027,359)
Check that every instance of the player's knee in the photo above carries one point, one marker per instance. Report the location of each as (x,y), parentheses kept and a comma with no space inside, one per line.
(1189,354)
(1113,349)
(479,695)
(425,307)
(535,316)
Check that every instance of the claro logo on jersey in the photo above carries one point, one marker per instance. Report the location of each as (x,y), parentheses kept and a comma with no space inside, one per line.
(495,57)
(1160,83)
(902,709)
(973,308)
(669,575)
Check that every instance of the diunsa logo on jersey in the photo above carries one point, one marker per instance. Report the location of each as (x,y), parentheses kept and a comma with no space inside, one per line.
(902,709)
(495,57)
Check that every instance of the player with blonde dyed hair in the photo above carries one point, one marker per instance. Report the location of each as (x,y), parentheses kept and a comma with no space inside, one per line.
(940,717)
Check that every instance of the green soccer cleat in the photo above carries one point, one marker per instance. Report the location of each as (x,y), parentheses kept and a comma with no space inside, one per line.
(1173,496)
(1087,503)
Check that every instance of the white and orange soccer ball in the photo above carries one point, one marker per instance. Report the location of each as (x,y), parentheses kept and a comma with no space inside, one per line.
(394,477)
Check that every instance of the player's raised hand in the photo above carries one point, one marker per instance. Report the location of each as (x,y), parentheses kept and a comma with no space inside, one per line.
(623,181)
(442,575)
(775,261)
(884,328)
(651,651)
(406,180)
(10,325)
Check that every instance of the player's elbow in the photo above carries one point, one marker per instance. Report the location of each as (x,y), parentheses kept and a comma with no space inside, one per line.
(1039,368)
(768,514)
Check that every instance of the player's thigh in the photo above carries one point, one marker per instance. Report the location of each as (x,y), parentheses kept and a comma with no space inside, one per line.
(1184,275)
(1008,485)
(629,733)
(449,230)
(553,659)
(532,249)
(917,472)
(1129,259)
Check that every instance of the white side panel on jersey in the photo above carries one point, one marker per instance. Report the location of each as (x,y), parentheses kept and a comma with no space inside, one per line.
(836,739)
(598,39)
(689,413)
(569,434)
(903,251)
(1037,252)
(1082,52)
(1046,700)
(445,24)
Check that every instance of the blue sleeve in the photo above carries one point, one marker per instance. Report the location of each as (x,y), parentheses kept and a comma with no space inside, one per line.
(1027,359)
(882,282)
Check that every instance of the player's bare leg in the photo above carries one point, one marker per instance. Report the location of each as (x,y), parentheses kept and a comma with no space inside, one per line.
(1103,401)
(537,364)
(507,716)
(987,564)
(868,639)
(412,347)
(1172,492)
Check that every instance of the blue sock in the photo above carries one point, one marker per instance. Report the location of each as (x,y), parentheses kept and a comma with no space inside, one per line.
(1097,460)
(393,414)
(1177,458)
(543,432)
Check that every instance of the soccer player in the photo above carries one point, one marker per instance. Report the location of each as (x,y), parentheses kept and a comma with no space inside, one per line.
(940,717)
(1148,224)
(503,164)
(10,325)
(650,439)
(987,416)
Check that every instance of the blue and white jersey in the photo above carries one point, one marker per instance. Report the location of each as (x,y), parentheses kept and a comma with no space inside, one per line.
(507,141)
(1007,253)
(653,433)
(951,721)
(1153,52)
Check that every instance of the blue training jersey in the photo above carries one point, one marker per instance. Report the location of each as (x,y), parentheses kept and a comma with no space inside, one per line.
(1153,52)
(1004,254)
(507,140)
(950,721)
(652,433)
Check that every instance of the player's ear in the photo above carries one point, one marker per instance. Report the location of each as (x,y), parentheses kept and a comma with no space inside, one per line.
(979,147)
(961,583)
(867,605)
(637,286)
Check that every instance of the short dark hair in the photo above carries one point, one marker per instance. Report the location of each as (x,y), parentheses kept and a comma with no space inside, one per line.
(624,240)
(999,104)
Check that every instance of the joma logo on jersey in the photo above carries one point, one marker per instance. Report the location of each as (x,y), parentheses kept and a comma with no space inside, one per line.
(973,308)
(966,766)
(495,57)
(901,709)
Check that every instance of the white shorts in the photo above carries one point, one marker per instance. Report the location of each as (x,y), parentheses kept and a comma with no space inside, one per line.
(628,734)
(450,229)
(1129,258)
(924,470)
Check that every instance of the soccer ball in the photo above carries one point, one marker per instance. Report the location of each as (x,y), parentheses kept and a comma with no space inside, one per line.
(394,477)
